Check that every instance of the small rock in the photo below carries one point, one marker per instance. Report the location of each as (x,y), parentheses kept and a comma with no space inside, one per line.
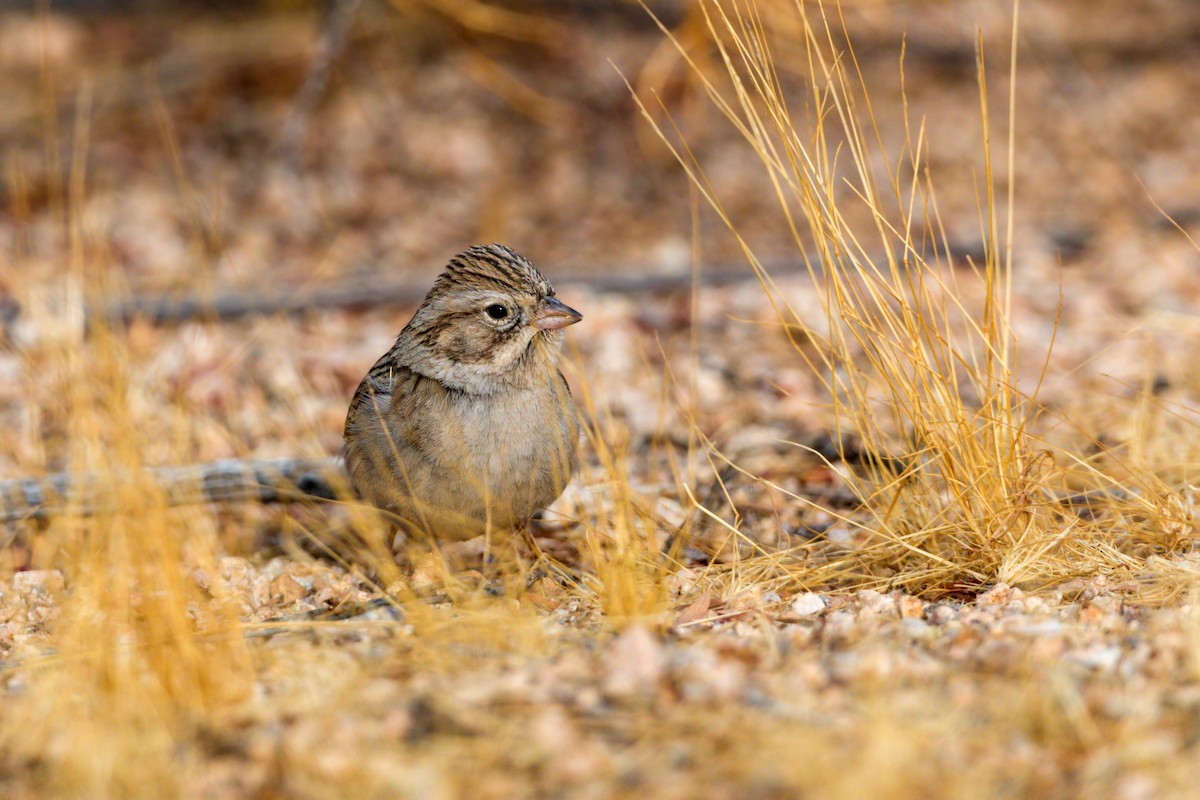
(683,580)
(841,625)
(808,604)
(839,534)
(202,578)
(287,589)
(702,675)
(43,581)
(1047,627)
(634,663)
(873,604)
(918,629)
(910,607)
(1101,659)
(942,613)
(998,595)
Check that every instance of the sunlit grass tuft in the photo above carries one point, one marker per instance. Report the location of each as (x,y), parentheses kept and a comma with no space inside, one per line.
(917,355)
(143,649)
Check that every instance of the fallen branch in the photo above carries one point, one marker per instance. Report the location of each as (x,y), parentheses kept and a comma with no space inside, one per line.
(368,293)
(365,293)
(330,46)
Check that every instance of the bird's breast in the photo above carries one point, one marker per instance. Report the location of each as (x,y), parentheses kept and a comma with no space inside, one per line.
(512,439)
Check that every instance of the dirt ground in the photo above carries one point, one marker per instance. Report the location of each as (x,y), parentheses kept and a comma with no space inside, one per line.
(149,155)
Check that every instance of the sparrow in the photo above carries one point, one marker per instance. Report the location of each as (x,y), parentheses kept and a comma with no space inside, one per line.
(466,424)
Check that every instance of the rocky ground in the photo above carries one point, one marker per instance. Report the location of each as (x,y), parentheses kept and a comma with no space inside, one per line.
(145,155)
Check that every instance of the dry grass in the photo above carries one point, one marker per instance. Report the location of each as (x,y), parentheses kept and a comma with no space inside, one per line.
(623,666)
(959,490)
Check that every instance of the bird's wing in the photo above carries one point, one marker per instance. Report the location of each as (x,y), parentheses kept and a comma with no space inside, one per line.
(374,393)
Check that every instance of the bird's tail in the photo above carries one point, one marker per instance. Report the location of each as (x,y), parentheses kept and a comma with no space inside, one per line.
(37,499)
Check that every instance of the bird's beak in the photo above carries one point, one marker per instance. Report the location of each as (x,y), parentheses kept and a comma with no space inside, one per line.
(555,314)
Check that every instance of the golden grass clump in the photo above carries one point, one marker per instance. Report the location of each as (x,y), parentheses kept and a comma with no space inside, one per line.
(144,648)
(918,356)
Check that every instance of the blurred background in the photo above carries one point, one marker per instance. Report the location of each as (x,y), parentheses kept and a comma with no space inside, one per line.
(249,144)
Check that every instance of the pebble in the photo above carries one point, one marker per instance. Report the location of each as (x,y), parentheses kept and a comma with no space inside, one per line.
(1100,658)
(634,663)
(807,604)
(45,581)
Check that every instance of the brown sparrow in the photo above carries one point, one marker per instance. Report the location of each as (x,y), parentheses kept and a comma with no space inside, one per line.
(466,424)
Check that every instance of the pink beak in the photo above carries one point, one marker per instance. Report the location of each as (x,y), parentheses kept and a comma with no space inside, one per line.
(555,314)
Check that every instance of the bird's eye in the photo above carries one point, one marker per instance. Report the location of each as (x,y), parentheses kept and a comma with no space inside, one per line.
(496,311)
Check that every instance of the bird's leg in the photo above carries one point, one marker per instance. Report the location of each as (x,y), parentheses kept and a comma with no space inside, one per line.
(543,564)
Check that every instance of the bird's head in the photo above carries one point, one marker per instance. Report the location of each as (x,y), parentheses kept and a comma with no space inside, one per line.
(490,321)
